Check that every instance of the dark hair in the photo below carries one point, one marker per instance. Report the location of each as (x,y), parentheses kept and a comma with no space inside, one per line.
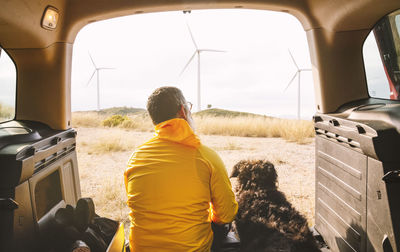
(164,103)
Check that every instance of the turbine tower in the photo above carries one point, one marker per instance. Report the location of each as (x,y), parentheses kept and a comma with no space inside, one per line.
(97,70)
(197,52)
(297,73)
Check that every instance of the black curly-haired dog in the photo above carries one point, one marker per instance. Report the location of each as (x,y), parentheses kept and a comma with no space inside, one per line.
(266,221)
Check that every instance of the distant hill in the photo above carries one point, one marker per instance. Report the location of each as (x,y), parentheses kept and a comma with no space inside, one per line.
(215,112)
(118,111)
(225,113)
(122,111)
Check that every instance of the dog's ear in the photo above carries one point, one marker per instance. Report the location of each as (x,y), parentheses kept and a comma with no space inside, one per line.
(236,170)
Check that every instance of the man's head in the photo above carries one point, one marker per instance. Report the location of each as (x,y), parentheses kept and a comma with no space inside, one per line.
(166,103)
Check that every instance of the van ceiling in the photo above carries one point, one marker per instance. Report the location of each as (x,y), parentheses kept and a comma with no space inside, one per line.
(335,31)
(20,20)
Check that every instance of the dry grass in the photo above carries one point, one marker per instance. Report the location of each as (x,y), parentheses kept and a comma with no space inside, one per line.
(107,190)
(115,120)
(86,119)
(110,143)
(102,157)
(228,145)
(292,130)
(299,131)
(112,202)
(140,122)
(6,112)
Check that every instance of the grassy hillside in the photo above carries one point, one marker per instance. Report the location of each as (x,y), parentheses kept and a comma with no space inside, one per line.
(122,111)
(208,122)
(116,111)
(224,113)
(216,112)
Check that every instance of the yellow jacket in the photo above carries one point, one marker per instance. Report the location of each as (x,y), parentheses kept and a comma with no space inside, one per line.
(171,181)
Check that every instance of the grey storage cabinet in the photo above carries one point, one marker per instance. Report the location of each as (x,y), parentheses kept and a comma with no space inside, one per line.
(38,175)
(358,178)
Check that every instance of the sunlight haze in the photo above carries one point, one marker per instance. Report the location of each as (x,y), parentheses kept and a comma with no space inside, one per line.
(150,50)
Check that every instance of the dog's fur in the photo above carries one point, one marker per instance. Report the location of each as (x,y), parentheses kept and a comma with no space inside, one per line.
(266,221)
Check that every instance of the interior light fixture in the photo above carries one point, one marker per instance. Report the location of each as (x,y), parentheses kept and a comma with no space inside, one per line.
(50,18)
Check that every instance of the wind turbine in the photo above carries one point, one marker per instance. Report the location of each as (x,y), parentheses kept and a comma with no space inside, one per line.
(97,70)
(297,73)
(197,52)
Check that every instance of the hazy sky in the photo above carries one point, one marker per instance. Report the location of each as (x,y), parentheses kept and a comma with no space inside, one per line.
(8,80)
(378,85)
(150,50)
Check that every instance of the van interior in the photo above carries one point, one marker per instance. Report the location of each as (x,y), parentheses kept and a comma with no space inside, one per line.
(355,56)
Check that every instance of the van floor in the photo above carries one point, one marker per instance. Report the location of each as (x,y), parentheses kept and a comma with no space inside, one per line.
(104,152)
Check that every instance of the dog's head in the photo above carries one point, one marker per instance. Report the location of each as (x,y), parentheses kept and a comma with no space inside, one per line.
(255,175)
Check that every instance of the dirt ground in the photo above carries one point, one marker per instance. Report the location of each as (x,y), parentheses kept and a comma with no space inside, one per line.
(102,163)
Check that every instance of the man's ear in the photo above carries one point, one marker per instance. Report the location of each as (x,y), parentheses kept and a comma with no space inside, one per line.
(182,113)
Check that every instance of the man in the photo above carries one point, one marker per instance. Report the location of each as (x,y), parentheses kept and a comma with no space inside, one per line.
(175,185)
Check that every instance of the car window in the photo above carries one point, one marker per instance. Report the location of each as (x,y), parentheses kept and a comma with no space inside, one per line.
(381,52)
(8,77)
(397,19)
(254,68)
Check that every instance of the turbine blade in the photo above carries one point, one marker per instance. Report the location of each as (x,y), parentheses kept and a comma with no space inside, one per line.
(290,82)
(210,50)
(191,35)
(187,64)
(92,60)
(91,77)
(306,69)
(293,60)
(107,68)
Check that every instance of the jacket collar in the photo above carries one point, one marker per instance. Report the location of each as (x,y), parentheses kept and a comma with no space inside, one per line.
(177,130)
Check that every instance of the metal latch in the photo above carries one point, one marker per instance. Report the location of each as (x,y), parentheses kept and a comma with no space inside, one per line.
(8,204)
(392,176)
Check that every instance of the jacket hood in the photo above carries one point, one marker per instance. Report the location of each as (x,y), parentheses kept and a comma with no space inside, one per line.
(177,130)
